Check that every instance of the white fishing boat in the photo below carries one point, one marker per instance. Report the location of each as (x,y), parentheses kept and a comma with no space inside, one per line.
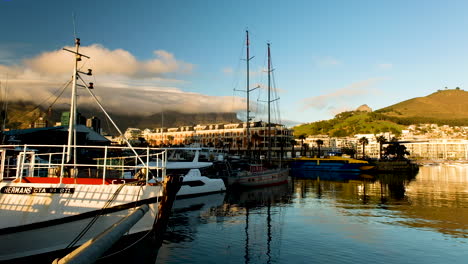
(54,197)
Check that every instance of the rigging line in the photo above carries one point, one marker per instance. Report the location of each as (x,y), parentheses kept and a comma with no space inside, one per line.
(38,105)
(236,78)
(100,213)
(110,119)
(149,231)
(63,90)
(276,94)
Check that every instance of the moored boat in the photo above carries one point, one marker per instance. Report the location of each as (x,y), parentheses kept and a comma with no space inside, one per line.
(53,205)
(260,176)
(194,183)
(330,163)
(256,174)
(55,197)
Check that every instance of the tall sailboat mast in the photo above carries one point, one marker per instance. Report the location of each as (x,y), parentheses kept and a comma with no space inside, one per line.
(248,97)
(248,90)
(269,101)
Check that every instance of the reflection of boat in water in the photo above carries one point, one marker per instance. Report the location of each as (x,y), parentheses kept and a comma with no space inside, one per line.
(259,196)
(187,215)
(201,203)
(330,163)
(331,176)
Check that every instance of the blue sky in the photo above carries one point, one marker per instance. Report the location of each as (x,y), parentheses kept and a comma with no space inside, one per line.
(328,56)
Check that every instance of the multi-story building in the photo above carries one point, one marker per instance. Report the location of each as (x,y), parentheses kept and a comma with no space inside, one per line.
(446,149)
(232,136)
(422,141)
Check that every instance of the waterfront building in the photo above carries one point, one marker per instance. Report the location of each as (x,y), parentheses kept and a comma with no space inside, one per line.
(439,149)
(132,133)
(229,136)
(419,146)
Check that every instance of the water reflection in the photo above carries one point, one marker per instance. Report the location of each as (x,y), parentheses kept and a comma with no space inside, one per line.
(323,218)
(435,199)
(254,200)
(332,218)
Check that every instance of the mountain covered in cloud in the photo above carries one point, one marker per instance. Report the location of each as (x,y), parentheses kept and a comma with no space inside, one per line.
(124,84)
(21,115)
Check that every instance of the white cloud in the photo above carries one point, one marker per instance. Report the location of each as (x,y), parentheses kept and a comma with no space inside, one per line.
(122,83)
(328,61)
(105,61)
(338,100)
(385,66)
(228,70)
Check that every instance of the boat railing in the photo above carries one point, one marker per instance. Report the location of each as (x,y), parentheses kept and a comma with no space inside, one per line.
(98,162)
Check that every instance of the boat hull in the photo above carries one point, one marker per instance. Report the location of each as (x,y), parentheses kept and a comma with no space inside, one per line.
(313,165)
(261,179)
(37,223)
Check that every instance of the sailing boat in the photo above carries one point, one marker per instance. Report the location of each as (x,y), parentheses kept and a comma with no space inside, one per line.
(257,174)
(54,197)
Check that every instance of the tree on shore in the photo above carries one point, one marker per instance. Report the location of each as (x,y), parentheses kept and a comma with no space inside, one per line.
(302,137)
(364,141)
(319,144)
(293,143)
(381,139)
(396,150)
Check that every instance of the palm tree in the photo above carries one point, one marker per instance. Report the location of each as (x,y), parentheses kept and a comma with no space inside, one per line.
(381,139)
(319,143)
(293,143)
(302,137)
(364,141)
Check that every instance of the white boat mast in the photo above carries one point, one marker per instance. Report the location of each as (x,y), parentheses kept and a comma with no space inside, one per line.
(72,123)
(72,120)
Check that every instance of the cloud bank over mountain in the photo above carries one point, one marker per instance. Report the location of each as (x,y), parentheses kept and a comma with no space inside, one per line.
(123,83)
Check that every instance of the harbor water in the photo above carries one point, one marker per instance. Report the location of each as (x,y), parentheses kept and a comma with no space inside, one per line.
(328,218)
(320,218)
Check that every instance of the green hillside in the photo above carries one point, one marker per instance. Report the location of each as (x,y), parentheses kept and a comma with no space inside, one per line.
(348,123)
(444,107)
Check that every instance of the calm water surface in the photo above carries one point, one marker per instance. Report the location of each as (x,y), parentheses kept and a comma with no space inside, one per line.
(328,218)
(321,218)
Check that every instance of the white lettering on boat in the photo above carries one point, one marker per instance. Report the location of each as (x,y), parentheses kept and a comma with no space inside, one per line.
(32,190)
